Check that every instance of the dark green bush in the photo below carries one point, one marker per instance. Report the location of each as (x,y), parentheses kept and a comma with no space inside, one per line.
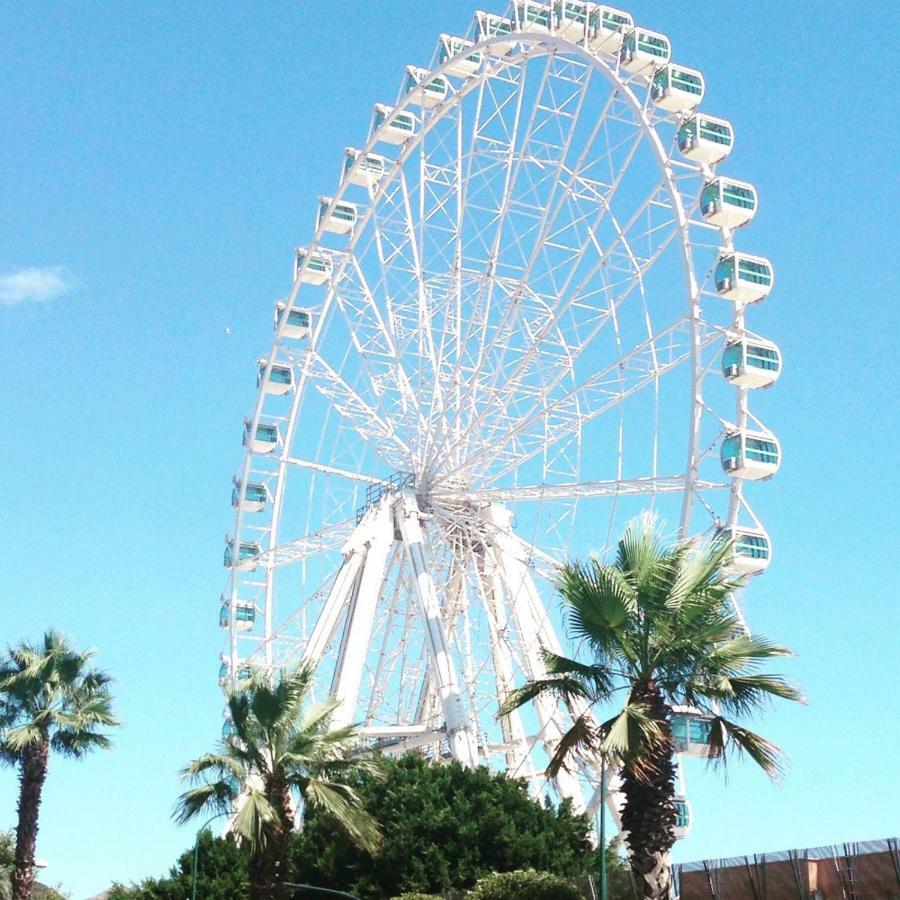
(524,885)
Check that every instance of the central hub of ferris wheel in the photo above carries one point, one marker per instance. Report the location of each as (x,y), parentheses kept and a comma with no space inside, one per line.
(523,283)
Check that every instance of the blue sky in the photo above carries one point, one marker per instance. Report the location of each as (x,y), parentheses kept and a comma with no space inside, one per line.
(160,163)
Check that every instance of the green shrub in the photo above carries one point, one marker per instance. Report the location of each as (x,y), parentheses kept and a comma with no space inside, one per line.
(524,885)
(416,896)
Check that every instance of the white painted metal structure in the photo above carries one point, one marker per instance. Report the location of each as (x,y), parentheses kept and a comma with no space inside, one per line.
(513,348)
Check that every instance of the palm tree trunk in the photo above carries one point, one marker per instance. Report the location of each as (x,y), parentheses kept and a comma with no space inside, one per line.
(648,815)
(32,774)
(270,870)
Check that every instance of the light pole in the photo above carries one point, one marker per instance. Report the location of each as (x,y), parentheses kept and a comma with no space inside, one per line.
(197,853)
(603,893)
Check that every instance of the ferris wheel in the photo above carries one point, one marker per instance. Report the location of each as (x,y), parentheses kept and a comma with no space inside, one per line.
(518,320)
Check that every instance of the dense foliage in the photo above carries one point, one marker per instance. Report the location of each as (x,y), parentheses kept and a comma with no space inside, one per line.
(524,885)
(444,827)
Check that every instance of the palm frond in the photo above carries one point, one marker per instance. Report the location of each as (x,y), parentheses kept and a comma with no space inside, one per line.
(563,687)
(735,738)
(78,742)
(583,737)
(630,735)
(221,765)
(597,678)
(743,695)
(217,796)
(344,804)
(256,820)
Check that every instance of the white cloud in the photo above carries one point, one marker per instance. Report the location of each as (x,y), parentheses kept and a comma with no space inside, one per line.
(33,284)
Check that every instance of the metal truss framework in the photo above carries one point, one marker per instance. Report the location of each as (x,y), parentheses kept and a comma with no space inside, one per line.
(520,321)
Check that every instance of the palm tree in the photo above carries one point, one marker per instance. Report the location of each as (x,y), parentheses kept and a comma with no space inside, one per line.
(658,628)
(50,701)
(283,749)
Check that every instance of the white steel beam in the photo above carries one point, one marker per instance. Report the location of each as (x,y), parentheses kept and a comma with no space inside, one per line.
(514,737)
(377,531)
(516,578)
(443,672)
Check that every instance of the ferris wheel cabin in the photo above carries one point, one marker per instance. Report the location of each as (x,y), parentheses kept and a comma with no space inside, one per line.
(246,556)
(244,615)
(705,139)
(534,17)
(572,19)
(642,51)
(340,219)
(490,25)
(752,455)
(423,93)
(751,550)
(297,323)
(252,499)
(242,671)
(690,731)
(751,363)
(317,269)
(744,278)
(228,731)
(368,171)
(676,88)
(728,203)
(607,28)
(454,50)
(396,130)
(682,817)
(280,380)
(264,440)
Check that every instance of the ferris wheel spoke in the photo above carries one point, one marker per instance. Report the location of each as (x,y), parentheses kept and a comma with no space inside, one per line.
(581,490)
(318,542)
(556,419)
(364,419)
(332,470)
(570,183)
(493,408)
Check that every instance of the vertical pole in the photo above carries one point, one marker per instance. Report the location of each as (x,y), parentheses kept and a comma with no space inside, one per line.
(603,893)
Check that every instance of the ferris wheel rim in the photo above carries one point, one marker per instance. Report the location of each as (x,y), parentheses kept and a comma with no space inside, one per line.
(547,45)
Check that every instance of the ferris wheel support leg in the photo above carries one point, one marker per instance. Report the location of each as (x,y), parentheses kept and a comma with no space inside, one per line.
(334,605)
(378,535)
(513,573)
(514,737)
(459,730)
(550,640)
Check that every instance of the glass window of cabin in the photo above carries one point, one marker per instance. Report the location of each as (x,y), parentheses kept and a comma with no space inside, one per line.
(724,269)
(762,450)
(715,132)
(699,730)
(686,81)
(733,356)
(738,196)
(756,272)
(612,20)
(731,446)
(689,129)
(710,193)
(763,358)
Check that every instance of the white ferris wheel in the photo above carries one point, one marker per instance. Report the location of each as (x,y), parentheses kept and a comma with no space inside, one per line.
(519,320)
